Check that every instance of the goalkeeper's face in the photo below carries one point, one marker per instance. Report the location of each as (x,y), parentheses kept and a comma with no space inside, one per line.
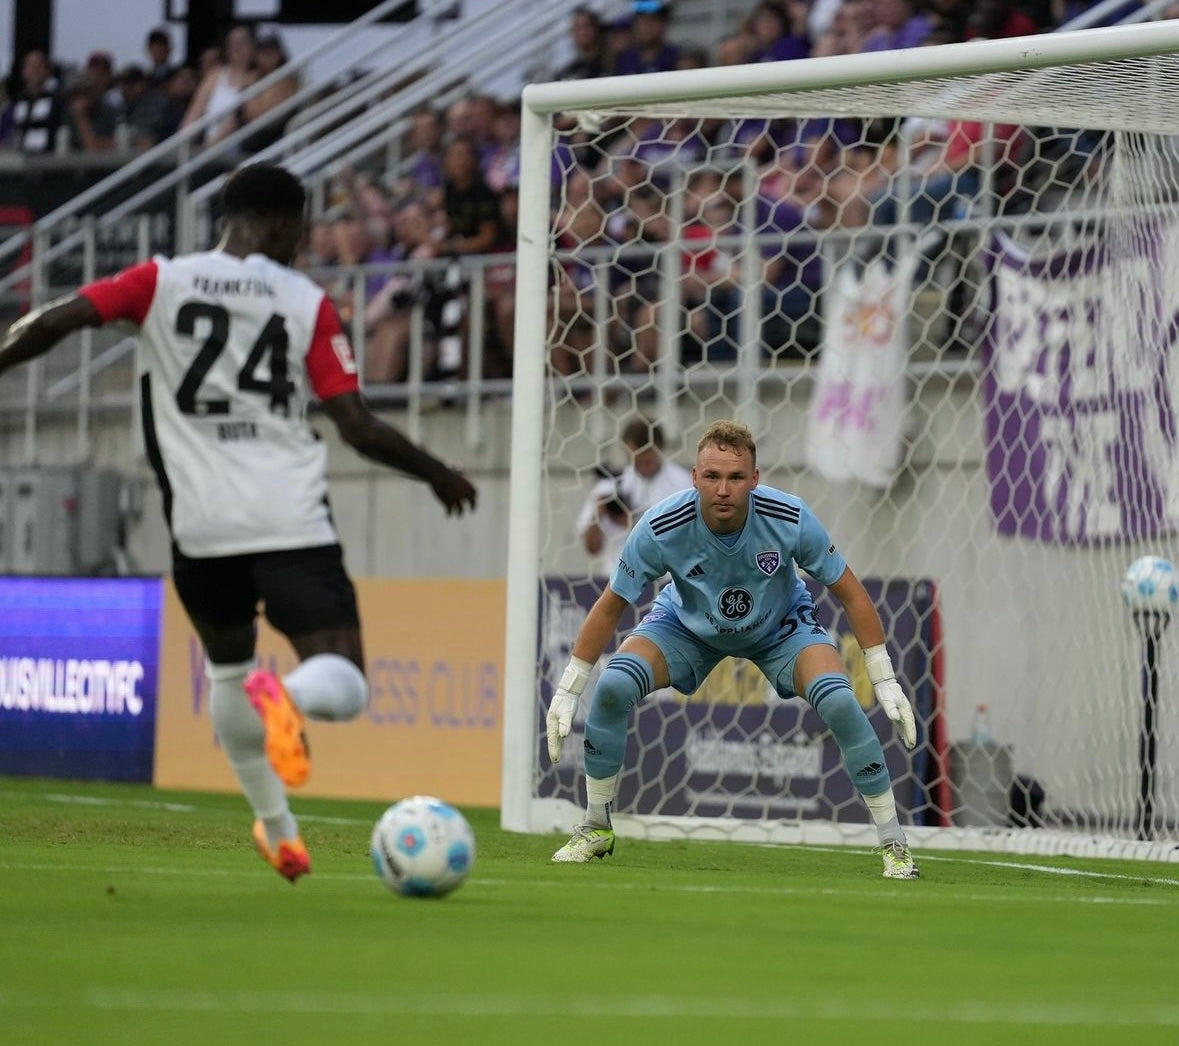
(724,476)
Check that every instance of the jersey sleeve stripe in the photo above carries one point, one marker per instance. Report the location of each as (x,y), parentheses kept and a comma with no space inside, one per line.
(676,518)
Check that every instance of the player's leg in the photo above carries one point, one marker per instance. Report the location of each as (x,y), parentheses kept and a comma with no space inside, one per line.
(819,676)
(220,601)
(659,653)
(310,599)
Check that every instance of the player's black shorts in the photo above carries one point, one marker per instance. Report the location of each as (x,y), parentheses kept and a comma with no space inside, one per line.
(299,590)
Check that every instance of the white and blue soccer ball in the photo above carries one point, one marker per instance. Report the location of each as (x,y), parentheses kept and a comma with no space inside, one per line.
(422,847)
(1151,583)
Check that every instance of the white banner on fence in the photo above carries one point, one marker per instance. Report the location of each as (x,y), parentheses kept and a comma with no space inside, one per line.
(858,401)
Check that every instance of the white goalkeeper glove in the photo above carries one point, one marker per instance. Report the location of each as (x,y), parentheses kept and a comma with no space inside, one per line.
(889,694)
(563,707)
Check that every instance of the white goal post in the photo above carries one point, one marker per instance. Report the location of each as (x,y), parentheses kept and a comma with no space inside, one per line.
(1034,447)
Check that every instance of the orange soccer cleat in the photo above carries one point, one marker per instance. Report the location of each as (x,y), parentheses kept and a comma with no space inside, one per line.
(286,742)
(291,860)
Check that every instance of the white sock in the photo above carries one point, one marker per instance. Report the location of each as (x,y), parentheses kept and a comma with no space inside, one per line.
(599,795)
(327,687)
(241,735)
(883,809)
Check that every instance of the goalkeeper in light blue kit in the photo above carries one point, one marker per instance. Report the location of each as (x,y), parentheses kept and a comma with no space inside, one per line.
(730,546)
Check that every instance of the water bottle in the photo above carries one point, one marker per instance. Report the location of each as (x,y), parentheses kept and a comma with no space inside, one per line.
(980,730)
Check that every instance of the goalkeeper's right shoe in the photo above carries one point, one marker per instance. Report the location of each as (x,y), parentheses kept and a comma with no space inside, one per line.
(286,743)
(289,858)
(587,842)
(898,861)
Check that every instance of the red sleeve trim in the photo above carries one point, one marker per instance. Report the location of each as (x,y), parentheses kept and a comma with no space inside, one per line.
(125,296)
(330,363)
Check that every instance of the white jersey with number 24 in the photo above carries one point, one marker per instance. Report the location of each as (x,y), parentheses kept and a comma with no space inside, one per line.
(231,352)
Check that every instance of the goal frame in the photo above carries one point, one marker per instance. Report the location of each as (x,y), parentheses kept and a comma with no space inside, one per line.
(667,94)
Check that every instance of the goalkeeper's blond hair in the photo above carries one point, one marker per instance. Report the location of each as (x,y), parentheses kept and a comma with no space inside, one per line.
(728,435)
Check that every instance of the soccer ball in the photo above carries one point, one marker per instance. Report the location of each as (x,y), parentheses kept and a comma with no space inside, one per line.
(422,847)
(1151,583)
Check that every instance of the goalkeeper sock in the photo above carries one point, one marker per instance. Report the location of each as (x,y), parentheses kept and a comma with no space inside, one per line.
(883,808)
(624,681)
(242,737)
(327,687)
(831,696)
(599,795)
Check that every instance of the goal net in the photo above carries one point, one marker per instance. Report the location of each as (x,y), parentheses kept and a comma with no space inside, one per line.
(941,287)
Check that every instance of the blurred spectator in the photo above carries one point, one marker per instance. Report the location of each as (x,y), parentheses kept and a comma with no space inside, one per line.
(37,110)
(998,19)
(269,56)
(158,48)
(779,33)
(423,166)
(501,163)
(143,111)
(499,291)
(219,93)
(898,25)
(580,226)
(851,25)
(735,49)
(472,211)
(615,502)
(101,69)
(649,52)
(179,91)
(388,312)
(948,20)
(92,121)
(590,55)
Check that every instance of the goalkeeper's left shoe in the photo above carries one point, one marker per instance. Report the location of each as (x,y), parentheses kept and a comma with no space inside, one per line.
(286,743)
(587,842)
(898,861)
(289,858)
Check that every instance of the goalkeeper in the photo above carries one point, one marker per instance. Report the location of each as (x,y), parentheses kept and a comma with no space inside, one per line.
(730,546)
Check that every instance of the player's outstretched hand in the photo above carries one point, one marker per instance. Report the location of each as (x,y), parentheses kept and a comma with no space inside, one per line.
(896,706)
(559,721)
(454,490)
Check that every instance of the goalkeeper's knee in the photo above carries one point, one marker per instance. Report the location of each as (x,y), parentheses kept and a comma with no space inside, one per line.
(624,681)
(831,696)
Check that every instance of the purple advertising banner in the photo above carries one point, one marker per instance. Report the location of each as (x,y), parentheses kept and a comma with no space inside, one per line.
(79,665)
(1080,430)
(735,749)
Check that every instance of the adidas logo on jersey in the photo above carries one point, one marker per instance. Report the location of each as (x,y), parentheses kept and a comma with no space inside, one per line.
(696,571)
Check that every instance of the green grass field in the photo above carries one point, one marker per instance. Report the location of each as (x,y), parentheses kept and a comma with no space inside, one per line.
(135,916)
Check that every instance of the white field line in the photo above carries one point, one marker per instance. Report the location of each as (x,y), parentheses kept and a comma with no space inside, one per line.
(948,897)
(687,1007)
(925,856)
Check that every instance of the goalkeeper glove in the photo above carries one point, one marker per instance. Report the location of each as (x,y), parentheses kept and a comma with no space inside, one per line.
(889,694)
(562,708)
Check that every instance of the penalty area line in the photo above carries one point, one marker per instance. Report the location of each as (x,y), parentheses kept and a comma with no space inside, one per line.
(1047,869)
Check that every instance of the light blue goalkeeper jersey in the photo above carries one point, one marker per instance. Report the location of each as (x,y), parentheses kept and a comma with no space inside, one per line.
(733,597)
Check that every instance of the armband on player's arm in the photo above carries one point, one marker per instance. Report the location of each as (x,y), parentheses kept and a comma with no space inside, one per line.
(889,694)
(559,720)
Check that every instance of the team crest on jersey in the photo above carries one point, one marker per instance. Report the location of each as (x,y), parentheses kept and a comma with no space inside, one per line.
(769,561)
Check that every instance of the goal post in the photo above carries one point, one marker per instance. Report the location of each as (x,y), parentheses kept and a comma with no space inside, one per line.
(970,384)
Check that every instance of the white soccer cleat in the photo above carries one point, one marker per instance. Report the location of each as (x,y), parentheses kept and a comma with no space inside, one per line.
(587,842)
(898,861)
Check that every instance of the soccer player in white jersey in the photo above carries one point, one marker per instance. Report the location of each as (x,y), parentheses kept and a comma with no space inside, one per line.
(233,346)
(731,547)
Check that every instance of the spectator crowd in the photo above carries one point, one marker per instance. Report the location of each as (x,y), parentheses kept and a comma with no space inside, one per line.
(454,194)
